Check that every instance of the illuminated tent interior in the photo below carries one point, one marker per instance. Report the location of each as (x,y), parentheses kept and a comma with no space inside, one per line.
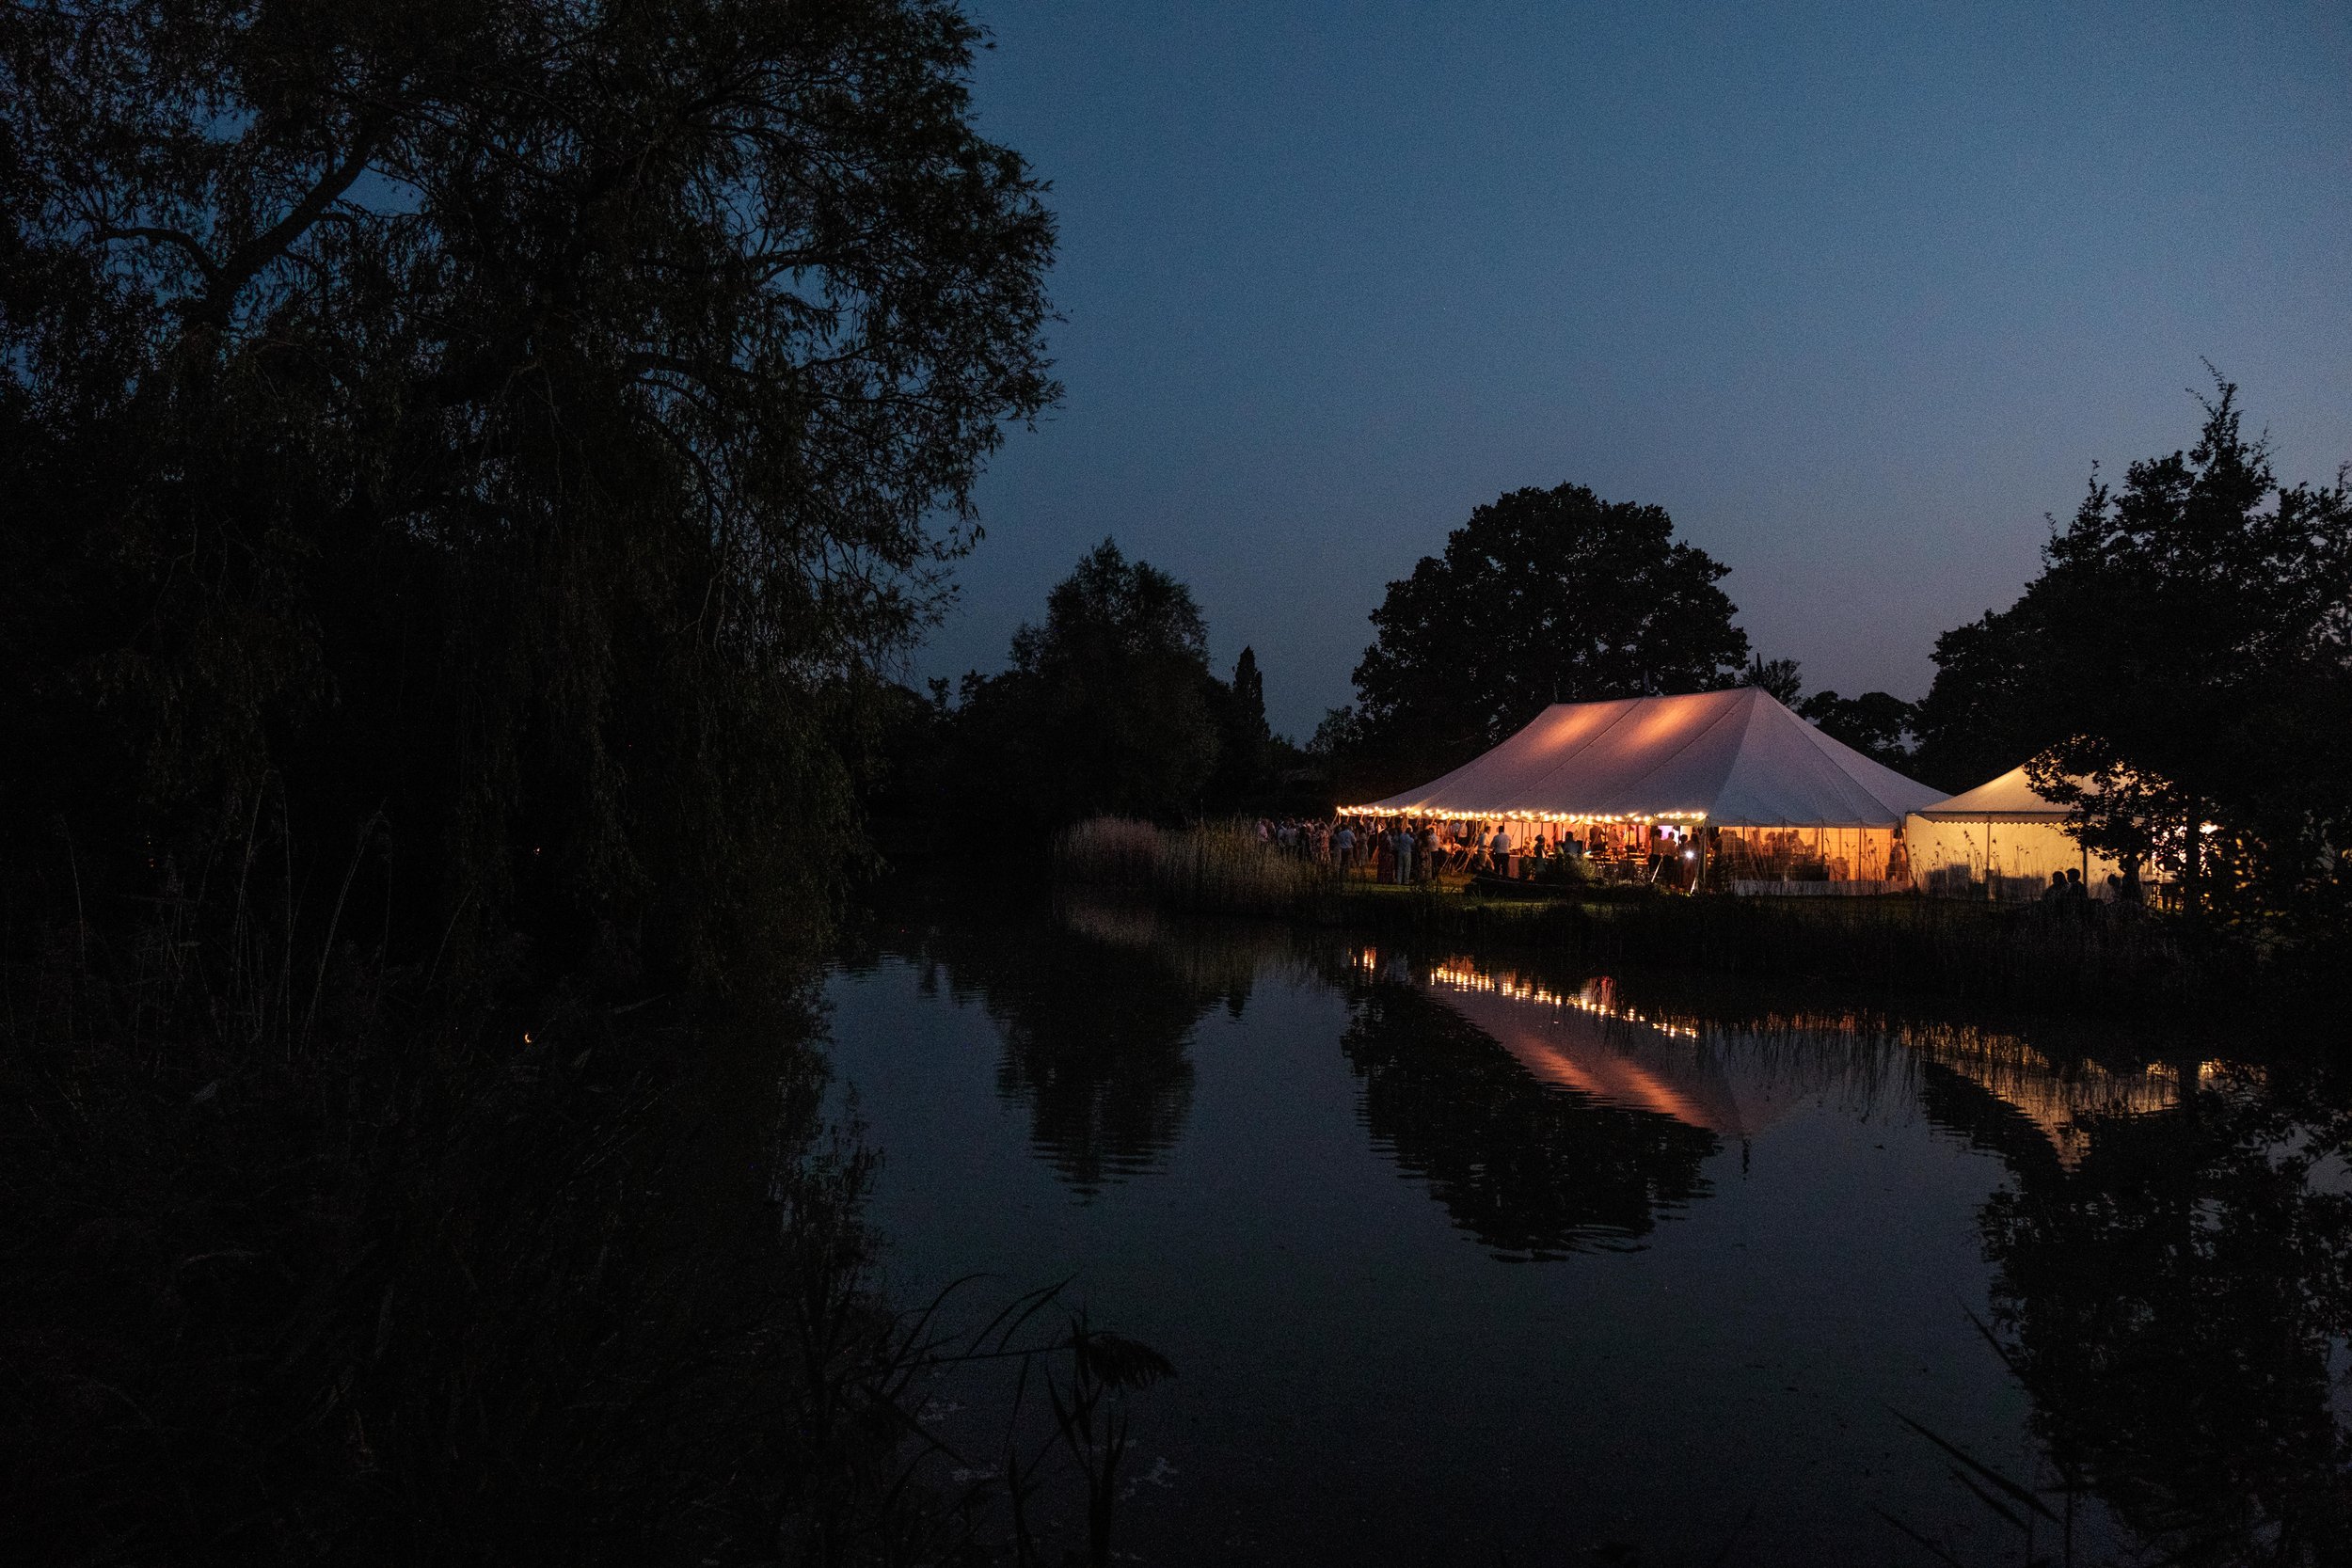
(2002,829)
(1787,798)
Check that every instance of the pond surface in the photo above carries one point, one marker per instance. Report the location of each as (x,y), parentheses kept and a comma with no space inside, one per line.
(1463,1259)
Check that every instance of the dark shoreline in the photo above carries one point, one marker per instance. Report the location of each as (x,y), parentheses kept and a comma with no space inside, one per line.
(2056,960)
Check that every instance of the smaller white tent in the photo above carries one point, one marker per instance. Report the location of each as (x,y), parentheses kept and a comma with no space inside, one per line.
(2001,839)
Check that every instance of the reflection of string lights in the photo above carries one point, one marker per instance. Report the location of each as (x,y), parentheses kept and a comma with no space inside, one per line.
(2050,1094)
(1597,997)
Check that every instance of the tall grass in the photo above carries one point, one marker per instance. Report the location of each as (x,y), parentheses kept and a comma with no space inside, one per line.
(1218,866)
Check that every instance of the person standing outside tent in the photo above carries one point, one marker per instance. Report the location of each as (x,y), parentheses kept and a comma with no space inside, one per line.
(1428,853)
(1498,850)
(1344,846)
(1403,852)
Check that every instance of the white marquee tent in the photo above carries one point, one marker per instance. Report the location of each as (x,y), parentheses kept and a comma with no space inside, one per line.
(1734,758)
(1785,794)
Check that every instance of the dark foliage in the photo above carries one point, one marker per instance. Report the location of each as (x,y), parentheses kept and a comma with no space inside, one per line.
(1783,679)
(1543,597)
(1989,709)
(2185,658)
(429,1282)
(516,425)
(1877,724)
(1248,756)
(1109,709)
(2199,623)
(467,462)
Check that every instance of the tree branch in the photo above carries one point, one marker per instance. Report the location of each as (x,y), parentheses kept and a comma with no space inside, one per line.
(228,281)
(174,237)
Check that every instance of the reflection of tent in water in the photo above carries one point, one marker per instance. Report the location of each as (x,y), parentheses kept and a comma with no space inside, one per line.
(1585,1043)
(1531,1172)
(1734,1082)
(2058,1105)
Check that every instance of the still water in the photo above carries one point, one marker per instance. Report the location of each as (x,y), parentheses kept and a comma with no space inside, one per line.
(1460,1258)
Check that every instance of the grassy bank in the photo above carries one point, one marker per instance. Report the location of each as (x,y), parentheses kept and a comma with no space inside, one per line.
(2058,957)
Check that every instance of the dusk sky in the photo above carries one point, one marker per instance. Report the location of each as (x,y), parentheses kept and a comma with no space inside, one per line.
(1857,293)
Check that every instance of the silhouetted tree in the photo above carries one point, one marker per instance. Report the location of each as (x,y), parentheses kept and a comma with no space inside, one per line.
(1992,705)
(1877,723)
(1109,706)
(2200,623)
(1245,745)
(2184,658)
(1544,596)
(525,421)
(1780,679)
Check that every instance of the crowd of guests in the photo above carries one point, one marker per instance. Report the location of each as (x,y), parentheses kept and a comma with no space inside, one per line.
(1401,850)
(1405,850)
(1393,849)
(2124,889)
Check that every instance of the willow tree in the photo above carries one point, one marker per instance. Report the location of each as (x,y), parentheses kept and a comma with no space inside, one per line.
(520,425)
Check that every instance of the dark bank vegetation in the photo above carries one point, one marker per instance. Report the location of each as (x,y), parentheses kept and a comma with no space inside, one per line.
(424,1280)
(518,428)
(468,465)
(1109,706)
(2065,957)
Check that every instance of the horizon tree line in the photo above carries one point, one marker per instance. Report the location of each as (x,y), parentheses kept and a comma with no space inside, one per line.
(2179,674)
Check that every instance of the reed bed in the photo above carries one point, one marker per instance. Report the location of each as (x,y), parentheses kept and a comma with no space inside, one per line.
(1209,867)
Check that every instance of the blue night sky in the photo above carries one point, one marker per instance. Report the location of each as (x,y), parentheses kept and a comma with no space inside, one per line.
(1856,292)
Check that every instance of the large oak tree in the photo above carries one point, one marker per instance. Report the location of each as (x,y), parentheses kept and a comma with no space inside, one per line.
(1543,597)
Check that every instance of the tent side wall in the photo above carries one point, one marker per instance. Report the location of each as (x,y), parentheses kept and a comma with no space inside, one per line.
(1801,854)
(1953,858)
